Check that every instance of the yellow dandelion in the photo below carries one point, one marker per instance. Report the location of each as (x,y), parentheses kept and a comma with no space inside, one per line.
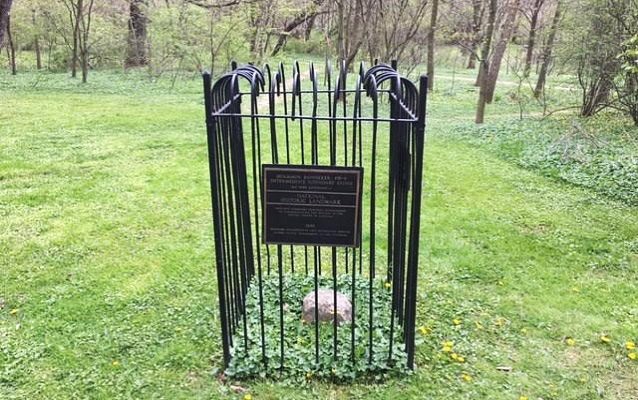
(500,283)
(424,330)
(308,375)
(457,321)
(575,289)
(632,356)
(570,341)
(479,326)
(523,398)
(14,311)
(524,330)
(457,358)
(605,339)
(388,285)
(447,349)
(630,345)
(248,396)
(448,343)
(115,363)
(466,377)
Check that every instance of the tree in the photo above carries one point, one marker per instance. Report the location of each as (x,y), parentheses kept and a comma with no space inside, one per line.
(36,40)
(137,35)
(477,18)
(11,49)
(303,17)
(75,11)
(627,88)
(388,36)
(484,64)
(431,32)
(596,62)
(506,31)
(547,51)
(80,14)
(463,24)
(5,9)
(531,39)
(350,34)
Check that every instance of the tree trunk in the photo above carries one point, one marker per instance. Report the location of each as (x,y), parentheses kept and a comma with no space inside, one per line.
(484,65)
(77,7)
(5,8)
(531,40)
(12,47)
(432,30)
(137,34)
(309,25)
(471,61)
(499,49)
(547,51)
(477,16)
(36,41)
(84,44)
(341,51)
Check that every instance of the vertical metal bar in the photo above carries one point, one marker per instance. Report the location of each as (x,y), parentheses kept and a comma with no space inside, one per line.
(356,113)
(283,82)
(281,305)
(403,185)
(333,160)
(254,129)
(230,221)
(334,314)
(415,222)
(214,189)
(275,160)
(394,175)
(314,146)
(317,250)
(217,99)
(235,146)
(373,159)
(287,131)
(225,232)
(344,76)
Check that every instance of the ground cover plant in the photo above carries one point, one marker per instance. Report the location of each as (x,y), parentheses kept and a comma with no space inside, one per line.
(600,154)
(299,337)
(107,286)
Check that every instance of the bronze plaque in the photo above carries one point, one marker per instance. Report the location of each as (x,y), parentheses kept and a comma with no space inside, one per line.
(312,205)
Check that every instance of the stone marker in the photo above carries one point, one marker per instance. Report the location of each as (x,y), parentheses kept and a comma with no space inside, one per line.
(326,307)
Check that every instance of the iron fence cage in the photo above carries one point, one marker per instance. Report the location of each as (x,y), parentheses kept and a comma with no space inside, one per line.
(257,118)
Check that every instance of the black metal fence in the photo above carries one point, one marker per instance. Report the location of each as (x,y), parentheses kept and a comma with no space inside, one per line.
(266,116)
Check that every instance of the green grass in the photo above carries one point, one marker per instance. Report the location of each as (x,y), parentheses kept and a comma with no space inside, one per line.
(107,286)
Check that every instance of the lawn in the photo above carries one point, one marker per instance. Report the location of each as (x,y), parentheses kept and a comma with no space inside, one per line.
(108,290)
